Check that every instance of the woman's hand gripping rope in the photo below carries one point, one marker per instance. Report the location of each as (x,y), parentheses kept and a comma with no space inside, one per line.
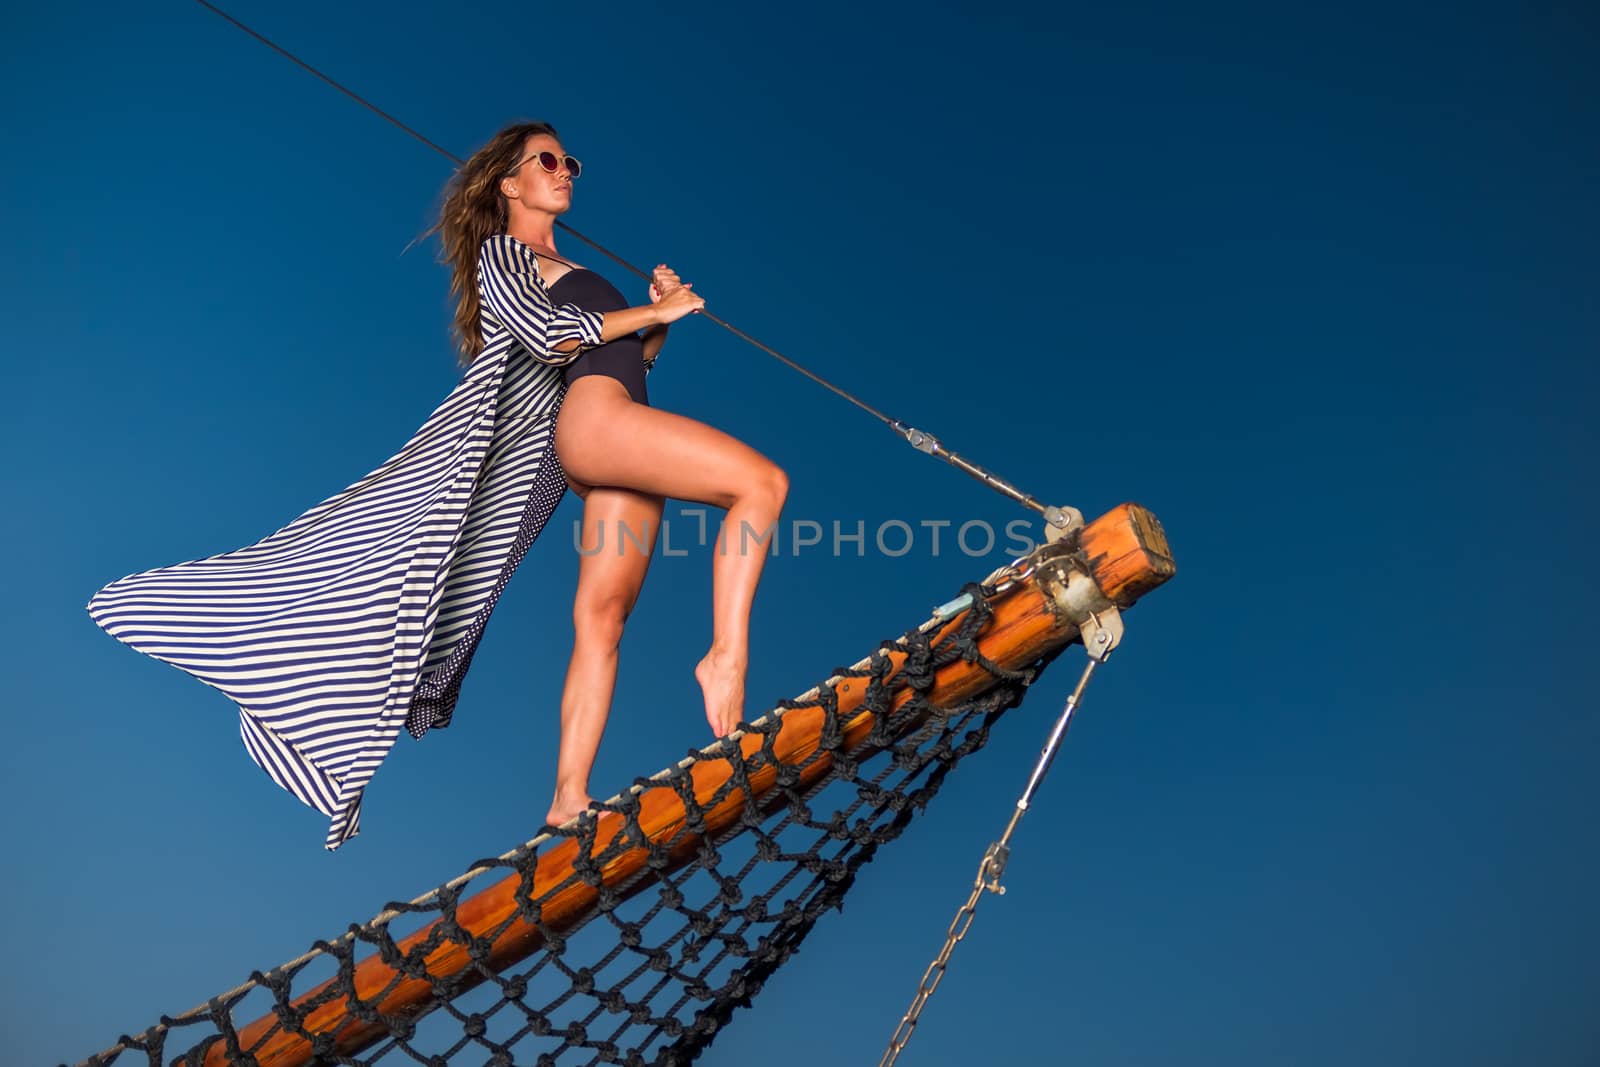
(672,297)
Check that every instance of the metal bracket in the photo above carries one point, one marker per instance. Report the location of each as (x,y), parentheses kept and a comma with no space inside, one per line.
(994,865)
(1059,522)
(1078,599)
(1101,632)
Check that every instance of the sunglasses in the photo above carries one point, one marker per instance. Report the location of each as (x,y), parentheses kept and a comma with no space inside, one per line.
(552,163)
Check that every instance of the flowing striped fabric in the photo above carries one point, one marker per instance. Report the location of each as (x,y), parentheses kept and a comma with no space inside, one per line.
(362,615)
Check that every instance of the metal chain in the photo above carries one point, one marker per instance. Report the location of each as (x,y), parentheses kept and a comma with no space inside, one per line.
(935,972)
(994,860)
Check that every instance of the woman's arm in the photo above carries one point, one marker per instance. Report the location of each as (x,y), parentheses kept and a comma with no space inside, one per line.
(667,306)
(615,324)
(555,333)
(508,275)
(662,280)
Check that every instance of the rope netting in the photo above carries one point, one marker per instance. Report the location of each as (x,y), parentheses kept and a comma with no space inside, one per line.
(661,956)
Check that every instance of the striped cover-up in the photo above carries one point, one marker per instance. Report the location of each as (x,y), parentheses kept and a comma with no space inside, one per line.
(362,615)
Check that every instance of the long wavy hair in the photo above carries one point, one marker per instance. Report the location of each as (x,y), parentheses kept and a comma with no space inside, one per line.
(473,210)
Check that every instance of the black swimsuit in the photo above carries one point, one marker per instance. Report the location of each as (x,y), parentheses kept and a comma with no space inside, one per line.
(622,359)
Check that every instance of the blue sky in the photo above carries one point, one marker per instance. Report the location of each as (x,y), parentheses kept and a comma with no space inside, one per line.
(1317,288)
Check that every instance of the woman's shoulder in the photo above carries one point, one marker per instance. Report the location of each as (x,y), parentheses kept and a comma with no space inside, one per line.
(507,253)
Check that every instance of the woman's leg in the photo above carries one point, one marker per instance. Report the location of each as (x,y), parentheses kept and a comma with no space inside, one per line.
(618,535)
(603,438)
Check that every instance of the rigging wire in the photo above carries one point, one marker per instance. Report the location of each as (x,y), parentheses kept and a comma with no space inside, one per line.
(1062,518)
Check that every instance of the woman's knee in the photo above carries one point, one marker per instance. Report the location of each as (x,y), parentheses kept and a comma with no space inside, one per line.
(772,487)
(598,618)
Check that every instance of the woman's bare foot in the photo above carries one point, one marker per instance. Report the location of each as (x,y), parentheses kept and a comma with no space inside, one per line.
(566,807)
(721,678)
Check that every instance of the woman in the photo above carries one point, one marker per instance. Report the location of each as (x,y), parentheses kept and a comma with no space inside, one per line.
(619,454)
(361,616)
